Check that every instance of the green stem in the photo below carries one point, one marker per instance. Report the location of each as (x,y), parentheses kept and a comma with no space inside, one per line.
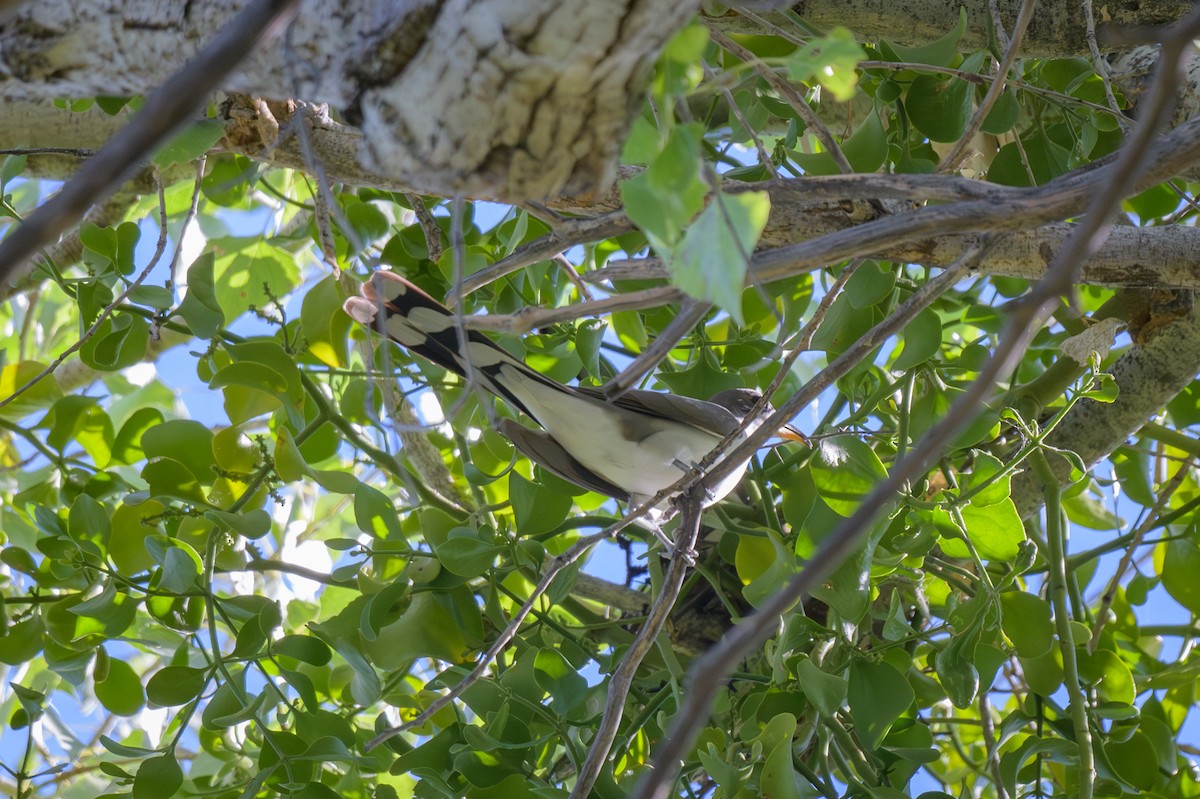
(1057,579)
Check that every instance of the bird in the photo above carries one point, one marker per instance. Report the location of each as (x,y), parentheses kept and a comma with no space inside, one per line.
(630,448)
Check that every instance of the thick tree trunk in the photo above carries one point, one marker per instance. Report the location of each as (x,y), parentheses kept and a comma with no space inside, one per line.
(513,99)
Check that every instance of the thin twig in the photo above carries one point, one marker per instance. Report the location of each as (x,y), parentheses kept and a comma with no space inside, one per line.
(77,152)
(952,160)
(790,95)
(532,317)
(429,226)
(567,234)
(622,678)
(988,728)
(1101,66)
(764,157)
(690,314)
(193,209)
(569,270)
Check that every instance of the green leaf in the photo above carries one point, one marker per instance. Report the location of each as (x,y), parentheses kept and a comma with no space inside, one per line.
(1004,114)
(1053,749)
(984,482)
(116,610)
(1027,622)
(995,530)
(1108,673)
(1045,158)
(304,648)
(843,326)
(326,328)
(119,341)
(826,691)
(700,381)
(228,179)
(158,778)
(537,508)
(11,167)
(100,245)
(940,53)
(763,564)
(169,478)
(375,514)
(81,419)
(88,520)
(127,444)
(710,263)
(464,554)
(557,677)
(778,778)
(832,59)
(121,690)
(845,470)
(1088,511)
(251,524)
(32,702)
(662,200)
(956,669)
(15,376)
(186,441)
(191,143)
(870,284)
(22,641)
(200,309)
(939,107)
(175,685)
(866,148)
(250,273)
(878,694)
(1134,760)
(1044,673)
(427,628)
(179,571)
(922,339)
(225,702)
(1178,564)
(589,335)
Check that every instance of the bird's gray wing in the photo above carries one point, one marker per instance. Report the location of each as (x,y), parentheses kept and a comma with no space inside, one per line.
(540,448)
(707,416)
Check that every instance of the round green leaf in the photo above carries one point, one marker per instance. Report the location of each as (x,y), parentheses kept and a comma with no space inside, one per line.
(878,694)
(845,470)
(175,685)
(1027,622)
(1180,567)
(158,778)
(121,691)
(939,107)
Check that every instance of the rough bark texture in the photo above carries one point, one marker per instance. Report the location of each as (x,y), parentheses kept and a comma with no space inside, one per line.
(510,99)
(1148,377)
(531,97)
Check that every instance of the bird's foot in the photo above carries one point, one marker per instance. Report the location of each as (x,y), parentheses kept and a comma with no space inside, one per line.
(693,471)
(651,522)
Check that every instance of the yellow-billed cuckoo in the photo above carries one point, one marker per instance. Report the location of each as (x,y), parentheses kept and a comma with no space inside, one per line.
(630,448)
